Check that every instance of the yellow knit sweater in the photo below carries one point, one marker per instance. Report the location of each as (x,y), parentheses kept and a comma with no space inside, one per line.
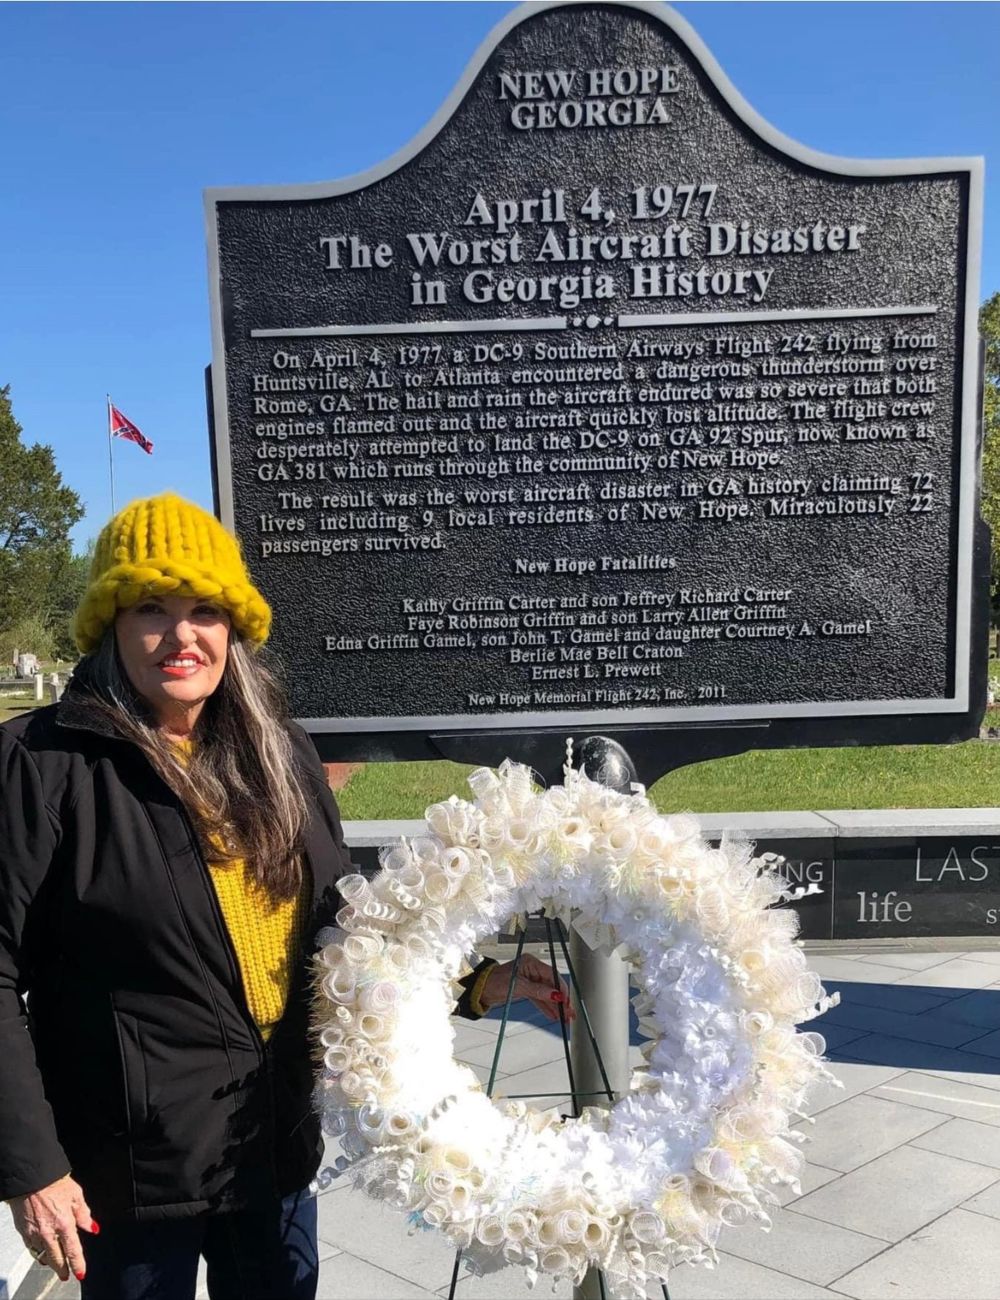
(265,933)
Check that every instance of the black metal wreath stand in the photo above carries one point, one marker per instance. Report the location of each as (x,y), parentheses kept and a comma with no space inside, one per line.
(554,934)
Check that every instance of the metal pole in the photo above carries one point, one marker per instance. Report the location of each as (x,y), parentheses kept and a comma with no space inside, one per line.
(602,985)
(111,455)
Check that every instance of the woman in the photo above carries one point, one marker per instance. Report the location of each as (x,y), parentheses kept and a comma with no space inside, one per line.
(169,850)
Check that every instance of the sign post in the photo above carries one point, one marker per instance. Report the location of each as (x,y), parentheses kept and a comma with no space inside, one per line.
(600,1058)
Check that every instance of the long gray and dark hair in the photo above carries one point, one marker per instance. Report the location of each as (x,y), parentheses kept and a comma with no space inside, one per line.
(238,783)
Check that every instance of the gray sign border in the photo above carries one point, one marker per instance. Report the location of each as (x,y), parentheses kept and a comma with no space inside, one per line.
(974,167)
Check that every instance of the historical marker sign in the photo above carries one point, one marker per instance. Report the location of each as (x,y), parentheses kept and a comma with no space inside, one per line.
(605,404)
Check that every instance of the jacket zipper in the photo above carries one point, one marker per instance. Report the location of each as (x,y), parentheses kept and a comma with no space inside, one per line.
(237,976)
(241,998)
(220,923)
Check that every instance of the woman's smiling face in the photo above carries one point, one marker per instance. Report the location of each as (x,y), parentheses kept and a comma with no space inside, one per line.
(173,650)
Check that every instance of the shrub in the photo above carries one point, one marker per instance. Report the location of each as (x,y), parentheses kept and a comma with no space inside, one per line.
(29,635)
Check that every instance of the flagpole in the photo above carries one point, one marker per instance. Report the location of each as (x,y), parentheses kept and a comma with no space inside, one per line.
(111,458)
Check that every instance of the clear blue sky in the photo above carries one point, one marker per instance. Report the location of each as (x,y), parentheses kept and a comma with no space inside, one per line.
(114,117)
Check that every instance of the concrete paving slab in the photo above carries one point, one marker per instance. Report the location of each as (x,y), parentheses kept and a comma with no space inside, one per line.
(483,1072)
(491,1028)
(522,1052)
(986,1202)
(737,1279)
(909,961)
(878,1199)
(855,1077)
(979,1008)
(835,1036)
(771,825)
(361,1226)
(952,1062)
(467,1035)
(986,1044)
(983,1074)
(545,1082)
(954,1256)
(518,1021)
(374,834)
(956,973)
(965,1140)
(836,968)
(944,1095)
(348,1278)
(42,1284)
(992,957)
(507,1284)
(812,1176)
(805,1248)
(893,997)
(855,823)
(862,1128)
(331,1150)
(930,1027)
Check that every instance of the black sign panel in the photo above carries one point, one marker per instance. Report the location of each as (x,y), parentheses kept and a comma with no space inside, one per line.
(808,866)
(896,888)
(602,405)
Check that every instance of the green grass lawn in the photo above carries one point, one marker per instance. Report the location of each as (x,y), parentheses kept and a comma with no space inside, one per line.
(906,776)
(11,705)
(903,776)
(10,708)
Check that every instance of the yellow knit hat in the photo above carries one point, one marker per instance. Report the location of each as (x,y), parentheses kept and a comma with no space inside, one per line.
(165,546)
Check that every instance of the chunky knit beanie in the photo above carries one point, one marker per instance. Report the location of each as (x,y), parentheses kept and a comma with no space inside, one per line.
(165,546)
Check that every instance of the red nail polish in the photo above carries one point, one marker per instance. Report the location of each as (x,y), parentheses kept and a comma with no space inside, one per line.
(557,996)
(94,1228)
(80,1276)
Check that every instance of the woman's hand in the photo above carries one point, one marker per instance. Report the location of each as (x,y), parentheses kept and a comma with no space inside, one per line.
(535,981)
(49,1220)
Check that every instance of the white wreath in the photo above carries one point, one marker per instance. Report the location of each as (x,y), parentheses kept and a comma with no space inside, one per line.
(702,1137)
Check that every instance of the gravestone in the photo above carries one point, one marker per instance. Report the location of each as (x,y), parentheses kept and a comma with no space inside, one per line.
(605,407)
(27,665)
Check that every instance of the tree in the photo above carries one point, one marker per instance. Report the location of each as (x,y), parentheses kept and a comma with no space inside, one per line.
(37,512)
(71,585)
(30,635)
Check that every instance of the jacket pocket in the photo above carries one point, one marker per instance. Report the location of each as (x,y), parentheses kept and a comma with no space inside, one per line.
(133,1065)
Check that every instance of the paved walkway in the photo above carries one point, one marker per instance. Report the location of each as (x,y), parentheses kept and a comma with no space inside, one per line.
(901,1194)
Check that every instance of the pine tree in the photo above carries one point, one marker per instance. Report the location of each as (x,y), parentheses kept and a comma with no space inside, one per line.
(37,512)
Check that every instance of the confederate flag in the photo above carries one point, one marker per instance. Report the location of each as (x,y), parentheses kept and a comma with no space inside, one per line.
(122,427)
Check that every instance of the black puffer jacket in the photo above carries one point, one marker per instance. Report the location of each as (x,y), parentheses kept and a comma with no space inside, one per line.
(140,1069)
